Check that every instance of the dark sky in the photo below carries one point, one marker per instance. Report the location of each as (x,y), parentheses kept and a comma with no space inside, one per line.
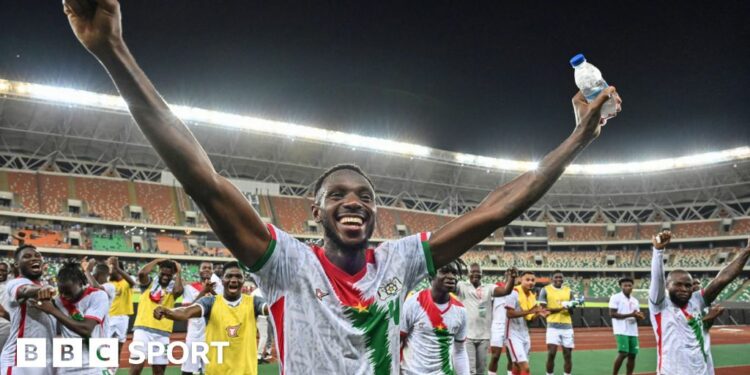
(484,78)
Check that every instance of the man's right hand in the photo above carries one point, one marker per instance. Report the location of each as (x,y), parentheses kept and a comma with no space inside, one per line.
(159,312)
(661,240)
(96,23)
(46,293)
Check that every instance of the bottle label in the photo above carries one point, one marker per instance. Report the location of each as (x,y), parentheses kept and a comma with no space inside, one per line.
(590,98)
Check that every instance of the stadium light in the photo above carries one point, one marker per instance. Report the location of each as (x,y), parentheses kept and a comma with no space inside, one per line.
(109,102)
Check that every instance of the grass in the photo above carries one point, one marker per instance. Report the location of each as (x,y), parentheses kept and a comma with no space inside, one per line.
(589,362)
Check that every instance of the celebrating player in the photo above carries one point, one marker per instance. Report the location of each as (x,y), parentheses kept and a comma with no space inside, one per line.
(433,328)
(229,317)
(677,317)
(81,311)
(625,312)
(351,293)
(196,330)
(122,304)
(477,299)
(559,323)
(27,322)
(521,307)
(155,293)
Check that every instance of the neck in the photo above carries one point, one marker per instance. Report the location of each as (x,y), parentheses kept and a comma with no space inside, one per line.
(232,298)
(440,296)
(626,294)
(477,283)
(350,261)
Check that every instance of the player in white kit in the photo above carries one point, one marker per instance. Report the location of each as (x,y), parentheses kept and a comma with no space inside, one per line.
(81,312)
(498,327)
(97,276)
(433,329)
(26,322)
(517,308)
(677,316)
(335,308)
(196,330)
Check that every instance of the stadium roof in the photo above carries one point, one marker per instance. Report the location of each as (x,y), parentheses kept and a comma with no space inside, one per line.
(45,122)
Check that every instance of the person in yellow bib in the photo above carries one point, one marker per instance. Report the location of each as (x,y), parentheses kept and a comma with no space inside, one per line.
(160,292)
(230,317)
(555,297)
(122,304)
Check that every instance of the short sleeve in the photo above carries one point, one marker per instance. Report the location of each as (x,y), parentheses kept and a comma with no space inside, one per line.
(13,288)
(698,300)
(278,269)
(461,289)
(409,257)
(206,303)
(258,304)
(462,329)
(543,296)
(97,307)
(613,302)
(511,302)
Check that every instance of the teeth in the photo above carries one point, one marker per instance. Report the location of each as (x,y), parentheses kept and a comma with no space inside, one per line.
(351,220)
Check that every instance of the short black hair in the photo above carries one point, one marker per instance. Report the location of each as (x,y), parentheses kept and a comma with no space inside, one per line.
(101,268)
(20,249)
(71,271)
(232,264)
(555,272)
(6,264)
(168,264)
(626,280)
(339,167)
(455,266)
(524,273)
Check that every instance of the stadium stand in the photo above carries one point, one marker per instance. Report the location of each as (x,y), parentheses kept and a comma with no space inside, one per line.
(418,222)
(106,198)
(111,242)
(578,233)
(386,223)
(24,188)
(696,229)
(53,190)
(157,202)
(603,287)
(625,232)
(42,238)
(170,245)
(296,212)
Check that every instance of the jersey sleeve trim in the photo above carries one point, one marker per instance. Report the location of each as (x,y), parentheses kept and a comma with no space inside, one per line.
(424,238)
(267,255)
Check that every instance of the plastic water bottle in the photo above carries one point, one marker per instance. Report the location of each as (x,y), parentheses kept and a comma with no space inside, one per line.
(589,80)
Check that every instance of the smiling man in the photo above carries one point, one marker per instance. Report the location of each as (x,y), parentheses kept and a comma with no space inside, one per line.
(27,322)
(677,316)
(336,307)
(229,317)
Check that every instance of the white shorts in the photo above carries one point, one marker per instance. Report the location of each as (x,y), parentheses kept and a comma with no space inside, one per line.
(189,365)
(519,349)
(118,327)
(144,337)
(560,337)
(497,336)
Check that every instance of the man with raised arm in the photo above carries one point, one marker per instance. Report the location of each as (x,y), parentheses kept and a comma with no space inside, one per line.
(677,312)
(335,308)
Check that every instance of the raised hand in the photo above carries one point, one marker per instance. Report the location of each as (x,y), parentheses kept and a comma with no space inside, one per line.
(209,287)
(661,240)
(589,115)
(96,23)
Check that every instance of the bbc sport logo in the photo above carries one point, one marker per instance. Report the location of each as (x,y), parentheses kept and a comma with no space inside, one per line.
(103,352)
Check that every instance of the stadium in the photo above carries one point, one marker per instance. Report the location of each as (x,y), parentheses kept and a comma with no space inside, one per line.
(77,178)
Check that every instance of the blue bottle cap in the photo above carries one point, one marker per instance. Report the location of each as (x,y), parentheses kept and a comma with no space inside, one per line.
(577,60)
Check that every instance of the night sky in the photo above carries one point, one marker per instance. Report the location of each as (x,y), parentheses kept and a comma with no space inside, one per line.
(484,78)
